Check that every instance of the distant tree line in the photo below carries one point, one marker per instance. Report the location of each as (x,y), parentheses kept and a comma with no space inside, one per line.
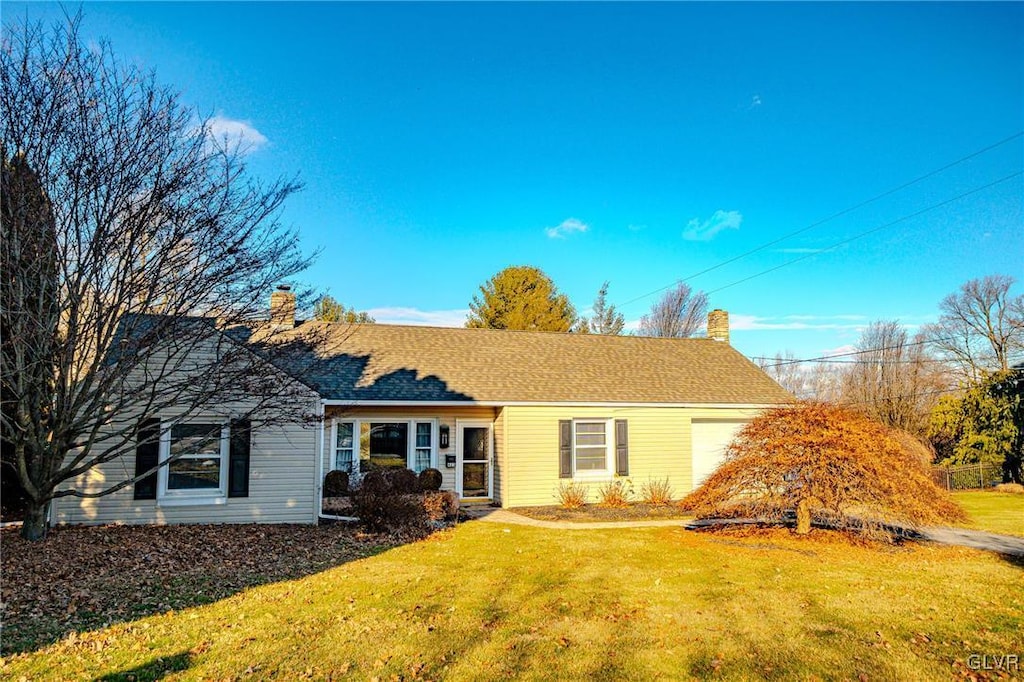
(957,384)
(524,298)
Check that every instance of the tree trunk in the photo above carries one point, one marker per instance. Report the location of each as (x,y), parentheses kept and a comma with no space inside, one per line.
(803,517)
(35,527)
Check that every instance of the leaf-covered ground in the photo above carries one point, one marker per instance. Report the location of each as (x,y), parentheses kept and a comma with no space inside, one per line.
(82,578)
(489,601)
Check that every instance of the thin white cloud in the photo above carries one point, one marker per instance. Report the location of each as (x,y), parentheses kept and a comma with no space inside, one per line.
(423,318)
(636,228)
(702,231)
(838,350)
(796,322)
(755,101)
(567,227)
(232,132)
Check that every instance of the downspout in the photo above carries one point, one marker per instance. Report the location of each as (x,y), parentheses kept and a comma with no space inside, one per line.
(320,469)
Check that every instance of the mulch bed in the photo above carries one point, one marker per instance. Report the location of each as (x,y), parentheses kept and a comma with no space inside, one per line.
(81,578)
(596,512)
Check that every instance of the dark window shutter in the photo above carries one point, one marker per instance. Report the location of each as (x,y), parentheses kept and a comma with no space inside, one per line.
(238,465)
(565,448)
(147,454)
(621,447)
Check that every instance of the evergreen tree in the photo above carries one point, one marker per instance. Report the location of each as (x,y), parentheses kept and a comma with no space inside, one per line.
(605,320)
(524,298)
(983,425)
(327,309)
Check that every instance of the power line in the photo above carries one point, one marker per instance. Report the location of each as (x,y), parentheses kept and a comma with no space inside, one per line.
(872,230)
(838,214)
(856,362)
(901,396)
(855,352)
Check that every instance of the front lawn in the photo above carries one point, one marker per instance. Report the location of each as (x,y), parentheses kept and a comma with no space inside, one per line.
(488,601)
(992,511)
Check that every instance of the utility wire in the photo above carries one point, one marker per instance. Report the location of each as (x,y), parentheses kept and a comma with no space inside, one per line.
(838,214)
(872,230)
(856,362)
(855,352)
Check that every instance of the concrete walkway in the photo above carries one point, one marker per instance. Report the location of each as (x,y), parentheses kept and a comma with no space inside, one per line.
(976,539)
(962,537)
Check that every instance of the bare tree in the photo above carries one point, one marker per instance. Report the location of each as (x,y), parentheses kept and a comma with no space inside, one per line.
(980,328)
(130,239)
(892,378)
(680,313)
(806,379)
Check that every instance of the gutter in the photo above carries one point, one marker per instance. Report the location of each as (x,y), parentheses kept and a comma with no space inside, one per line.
(564,403)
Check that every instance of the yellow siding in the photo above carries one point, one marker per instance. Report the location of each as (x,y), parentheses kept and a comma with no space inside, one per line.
(444,415)
(659,447)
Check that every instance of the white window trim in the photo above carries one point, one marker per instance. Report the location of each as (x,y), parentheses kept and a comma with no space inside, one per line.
(473,423)
(332,455)
(181,498)
(410,455)
(609,446)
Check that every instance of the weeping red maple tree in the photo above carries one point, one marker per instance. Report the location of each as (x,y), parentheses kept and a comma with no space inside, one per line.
(829,464)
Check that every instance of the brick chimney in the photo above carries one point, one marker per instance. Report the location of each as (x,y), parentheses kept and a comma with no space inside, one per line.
(718,325)
(282,308)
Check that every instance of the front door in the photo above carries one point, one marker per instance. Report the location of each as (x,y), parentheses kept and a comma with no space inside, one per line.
(475,460)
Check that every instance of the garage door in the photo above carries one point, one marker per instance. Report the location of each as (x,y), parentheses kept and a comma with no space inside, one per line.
(710,438)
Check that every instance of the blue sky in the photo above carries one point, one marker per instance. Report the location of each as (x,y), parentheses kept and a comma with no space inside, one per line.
(439,143)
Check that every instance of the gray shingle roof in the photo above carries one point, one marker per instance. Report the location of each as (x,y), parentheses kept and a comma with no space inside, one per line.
(404,363)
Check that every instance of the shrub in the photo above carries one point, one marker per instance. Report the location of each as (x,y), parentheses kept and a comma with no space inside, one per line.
(386,510)
(403,481)
(657,492)
(1015,488)
(374,481)
(430,480)
(336,483)
(440,506)
(827,463)
(615,493)
(572,495)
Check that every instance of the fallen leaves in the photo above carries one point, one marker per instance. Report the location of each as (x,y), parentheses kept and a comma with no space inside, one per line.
(80,578)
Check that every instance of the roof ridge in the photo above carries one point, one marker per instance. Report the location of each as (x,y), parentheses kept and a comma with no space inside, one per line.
(502,331)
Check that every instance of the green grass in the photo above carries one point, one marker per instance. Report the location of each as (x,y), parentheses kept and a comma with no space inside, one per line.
(992,511)
(484,601)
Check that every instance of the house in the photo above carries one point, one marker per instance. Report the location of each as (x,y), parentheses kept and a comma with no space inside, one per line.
(506,416)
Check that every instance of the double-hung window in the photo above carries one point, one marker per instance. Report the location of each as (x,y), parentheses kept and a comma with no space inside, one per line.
(423,446)
(197,468)
(591,440)
(344,446)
